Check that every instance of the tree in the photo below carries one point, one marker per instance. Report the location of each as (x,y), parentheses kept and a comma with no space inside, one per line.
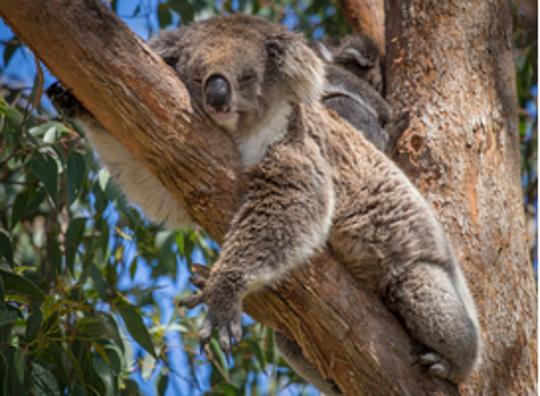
(197,163)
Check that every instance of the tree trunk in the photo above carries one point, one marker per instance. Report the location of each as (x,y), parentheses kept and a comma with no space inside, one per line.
(366,16)
(364,350)
(451,64)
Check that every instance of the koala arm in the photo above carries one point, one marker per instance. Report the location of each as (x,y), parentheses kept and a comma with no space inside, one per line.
(285,216)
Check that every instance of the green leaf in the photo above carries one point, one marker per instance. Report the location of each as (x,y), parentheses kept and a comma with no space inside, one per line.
(5,247)
(7,317)
(50,135)
(227,389)
(18,360)
(116,358)
(220,356)
(9,51)
(74,236)
(105,374)
(16,284)
(99,282)
(75,175)
(19,207)
(256,349)
(162,384)
(43,382)
(131,388)
(13,116)
(3,374)
(55,254)
(92,327)
(33,325)
(186,11)
(136,328)
(164,14)
(45,169)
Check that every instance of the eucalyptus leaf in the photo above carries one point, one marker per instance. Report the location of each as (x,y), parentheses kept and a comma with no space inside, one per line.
(45,169)
(74,236)
(136,328)
(6,250)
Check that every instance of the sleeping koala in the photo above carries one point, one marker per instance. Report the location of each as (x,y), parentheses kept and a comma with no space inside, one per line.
(353,89)
(312,180)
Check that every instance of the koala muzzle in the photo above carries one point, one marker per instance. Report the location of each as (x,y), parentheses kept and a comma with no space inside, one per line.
(217,93)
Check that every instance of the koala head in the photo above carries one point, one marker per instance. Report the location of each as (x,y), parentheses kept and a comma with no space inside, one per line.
(359,55)
(240,68)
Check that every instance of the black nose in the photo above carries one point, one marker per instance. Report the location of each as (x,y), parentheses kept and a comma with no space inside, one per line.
(217,93)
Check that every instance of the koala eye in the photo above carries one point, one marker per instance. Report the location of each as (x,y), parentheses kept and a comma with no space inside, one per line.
(197,81)
(247,78)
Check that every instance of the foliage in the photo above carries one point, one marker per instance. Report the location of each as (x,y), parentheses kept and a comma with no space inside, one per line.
(87,284)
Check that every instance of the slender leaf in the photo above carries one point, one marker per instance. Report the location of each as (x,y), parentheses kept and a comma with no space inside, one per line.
(45,169)
(75,175)
(43,381)
(6,250)
(33,325)
(136,328)
(74,236)
(16,284)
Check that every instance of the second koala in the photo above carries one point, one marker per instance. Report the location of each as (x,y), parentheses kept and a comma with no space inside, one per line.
(313,180)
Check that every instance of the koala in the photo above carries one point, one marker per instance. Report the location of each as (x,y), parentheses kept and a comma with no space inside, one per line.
(353,89)
(313,182)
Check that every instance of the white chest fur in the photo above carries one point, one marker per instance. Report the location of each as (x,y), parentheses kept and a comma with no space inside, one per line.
(272,129)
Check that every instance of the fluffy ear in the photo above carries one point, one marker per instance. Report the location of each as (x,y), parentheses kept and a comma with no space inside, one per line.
(297,63)
(167,46)
(353,55)
(357,49)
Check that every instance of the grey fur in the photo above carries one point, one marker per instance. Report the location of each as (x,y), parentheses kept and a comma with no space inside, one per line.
(313,180)
(353,89)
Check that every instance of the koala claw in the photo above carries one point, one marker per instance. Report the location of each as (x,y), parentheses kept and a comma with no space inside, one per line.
(198,281)
(434,364)
(192,301)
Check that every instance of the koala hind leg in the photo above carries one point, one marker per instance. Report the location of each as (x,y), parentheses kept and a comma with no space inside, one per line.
(438,312)
(293,355)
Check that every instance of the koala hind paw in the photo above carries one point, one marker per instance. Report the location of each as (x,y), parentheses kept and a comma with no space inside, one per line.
(435,365)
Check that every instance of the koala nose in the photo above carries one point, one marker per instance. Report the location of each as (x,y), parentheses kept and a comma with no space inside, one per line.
(217,93)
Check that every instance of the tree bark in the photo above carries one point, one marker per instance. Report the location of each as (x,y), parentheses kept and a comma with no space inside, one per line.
(451,64)
(364,350)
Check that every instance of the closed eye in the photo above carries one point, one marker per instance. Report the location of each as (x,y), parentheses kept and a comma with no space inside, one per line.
(197,81)
(247,79)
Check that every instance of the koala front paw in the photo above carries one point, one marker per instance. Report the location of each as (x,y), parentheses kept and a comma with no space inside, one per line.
(224,309)
(66,104)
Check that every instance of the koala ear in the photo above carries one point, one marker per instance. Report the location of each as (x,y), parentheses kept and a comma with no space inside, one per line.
(297,63)
(358,49)
(355,56)
(167,46)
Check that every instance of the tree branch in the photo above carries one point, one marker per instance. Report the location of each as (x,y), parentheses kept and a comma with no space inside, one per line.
(345,331)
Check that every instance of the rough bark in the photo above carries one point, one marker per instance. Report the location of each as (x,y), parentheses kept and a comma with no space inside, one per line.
(451,64)
(366,16)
